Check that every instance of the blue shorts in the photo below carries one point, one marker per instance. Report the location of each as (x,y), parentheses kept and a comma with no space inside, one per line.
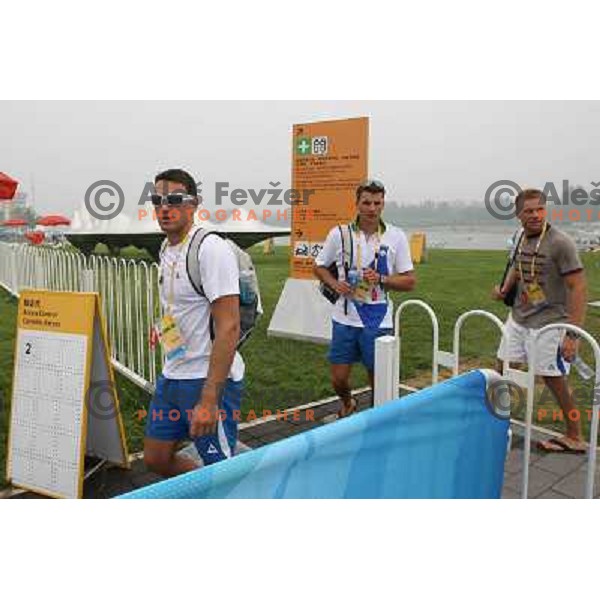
(354,344)
(170,411)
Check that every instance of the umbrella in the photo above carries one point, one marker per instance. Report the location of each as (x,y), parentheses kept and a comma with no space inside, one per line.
(15,223)
(8,187)
(53,221)
(35,237)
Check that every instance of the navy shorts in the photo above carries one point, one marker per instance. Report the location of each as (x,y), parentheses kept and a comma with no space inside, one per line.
(170,412)
(354,344)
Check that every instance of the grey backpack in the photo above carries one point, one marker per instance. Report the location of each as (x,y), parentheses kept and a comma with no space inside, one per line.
(250,302)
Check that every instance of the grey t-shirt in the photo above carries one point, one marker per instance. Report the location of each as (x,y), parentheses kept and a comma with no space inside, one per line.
(557,256)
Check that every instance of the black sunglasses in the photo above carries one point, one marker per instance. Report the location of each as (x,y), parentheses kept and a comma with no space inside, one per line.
(171,199)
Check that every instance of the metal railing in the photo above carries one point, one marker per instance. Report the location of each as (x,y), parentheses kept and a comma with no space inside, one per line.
(388,353)
(441,358)
(128,291)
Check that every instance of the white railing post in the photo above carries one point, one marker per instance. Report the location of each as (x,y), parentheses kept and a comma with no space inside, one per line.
(87,280)
(386,370)
(15,274)
(436,335)
(458,326)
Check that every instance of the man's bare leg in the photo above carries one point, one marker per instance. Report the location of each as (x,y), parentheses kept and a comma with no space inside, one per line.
(371,377)
(160,457)
(340,377)
(563,394)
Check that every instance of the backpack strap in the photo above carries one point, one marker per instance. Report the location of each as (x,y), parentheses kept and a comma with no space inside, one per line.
(343,245)
(163,247)
(347,264)
(351,241)
(515,250)
(192,263)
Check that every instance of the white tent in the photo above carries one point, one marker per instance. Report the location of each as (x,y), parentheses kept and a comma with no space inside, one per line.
(122,230)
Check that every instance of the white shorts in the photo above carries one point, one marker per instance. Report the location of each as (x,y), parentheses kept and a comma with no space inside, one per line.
(549,362)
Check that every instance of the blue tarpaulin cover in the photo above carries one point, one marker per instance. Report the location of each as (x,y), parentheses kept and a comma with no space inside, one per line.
(441,442)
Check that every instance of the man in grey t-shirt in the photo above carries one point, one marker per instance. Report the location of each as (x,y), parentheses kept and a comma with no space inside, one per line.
(551,288)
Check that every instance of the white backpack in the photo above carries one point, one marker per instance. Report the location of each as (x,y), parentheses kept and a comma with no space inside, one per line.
(250,302)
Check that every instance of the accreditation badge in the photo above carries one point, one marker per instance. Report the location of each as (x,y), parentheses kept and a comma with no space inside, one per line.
(171,339)
(535,294)
(362,292)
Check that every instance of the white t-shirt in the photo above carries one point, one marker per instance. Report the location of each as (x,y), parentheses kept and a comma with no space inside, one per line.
(398,258)
(220,277)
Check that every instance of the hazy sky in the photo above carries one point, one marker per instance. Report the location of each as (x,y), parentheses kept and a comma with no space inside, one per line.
(436,150)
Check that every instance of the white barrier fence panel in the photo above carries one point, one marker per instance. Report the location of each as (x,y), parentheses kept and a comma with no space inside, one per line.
(441,358)
(128,294)
(436,334)
(457,328)
(524,379)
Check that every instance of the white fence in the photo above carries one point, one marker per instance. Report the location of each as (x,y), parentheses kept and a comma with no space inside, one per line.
(388,375)
(128,293)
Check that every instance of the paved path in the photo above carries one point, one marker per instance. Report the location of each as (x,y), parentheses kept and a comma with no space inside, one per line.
(551,476)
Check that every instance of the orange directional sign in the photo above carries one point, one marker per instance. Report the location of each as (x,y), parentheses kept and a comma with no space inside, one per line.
(329,161)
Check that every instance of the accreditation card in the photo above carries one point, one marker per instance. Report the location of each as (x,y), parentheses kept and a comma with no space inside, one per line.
(171,339)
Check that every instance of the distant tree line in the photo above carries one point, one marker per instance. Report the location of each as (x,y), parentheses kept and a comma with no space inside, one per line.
(429,213)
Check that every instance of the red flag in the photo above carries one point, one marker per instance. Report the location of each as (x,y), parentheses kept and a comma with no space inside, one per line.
(8,187)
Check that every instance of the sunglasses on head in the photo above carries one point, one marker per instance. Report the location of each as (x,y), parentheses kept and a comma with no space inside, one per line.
(372,184)
(171,199)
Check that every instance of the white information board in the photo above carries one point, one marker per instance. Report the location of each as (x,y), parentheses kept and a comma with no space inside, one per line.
(64,400)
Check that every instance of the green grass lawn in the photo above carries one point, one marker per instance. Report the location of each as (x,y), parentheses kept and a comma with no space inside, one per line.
(283,373)
(8,316)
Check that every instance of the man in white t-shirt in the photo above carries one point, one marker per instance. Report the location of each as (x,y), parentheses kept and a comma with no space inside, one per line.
(198,394)
(372,259)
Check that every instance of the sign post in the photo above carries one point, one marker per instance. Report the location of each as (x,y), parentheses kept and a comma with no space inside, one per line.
(329,161)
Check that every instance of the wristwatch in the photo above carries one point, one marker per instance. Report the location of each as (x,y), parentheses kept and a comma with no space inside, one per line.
(382,280)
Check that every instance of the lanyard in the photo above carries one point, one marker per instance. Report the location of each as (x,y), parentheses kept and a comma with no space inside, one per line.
(171,296)
(359,248)
(537,249)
